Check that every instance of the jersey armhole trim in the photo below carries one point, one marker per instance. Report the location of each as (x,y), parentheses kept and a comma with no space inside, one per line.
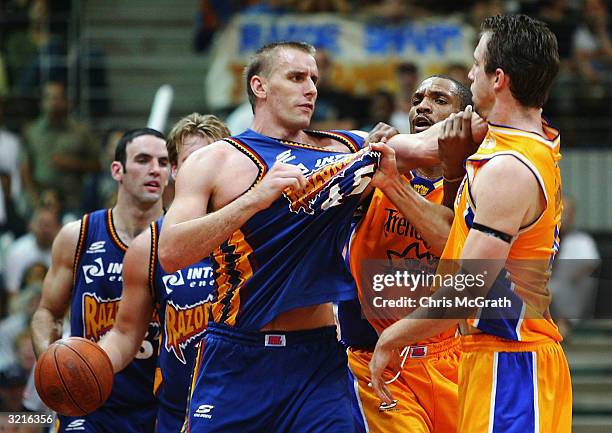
(253,156)
(153,260)
(79,248)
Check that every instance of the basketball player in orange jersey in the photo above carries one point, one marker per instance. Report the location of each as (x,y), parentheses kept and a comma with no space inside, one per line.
(513,373)
(273,205)
(85,278)
(415,230)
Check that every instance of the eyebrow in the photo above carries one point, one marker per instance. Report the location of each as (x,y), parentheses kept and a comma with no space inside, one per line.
(435,93)
(301,72)
(148,155)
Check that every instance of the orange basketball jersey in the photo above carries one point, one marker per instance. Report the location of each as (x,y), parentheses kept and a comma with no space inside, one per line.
(384,235)
(536,244)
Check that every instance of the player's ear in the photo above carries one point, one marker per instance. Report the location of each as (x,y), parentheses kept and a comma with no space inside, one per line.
(258,86)
(116,170)
(501,79)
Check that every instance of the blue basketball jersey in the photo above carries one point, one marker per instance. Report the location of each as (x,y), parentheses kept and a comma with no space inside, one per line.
(182,303)
(290,254)
(95,298)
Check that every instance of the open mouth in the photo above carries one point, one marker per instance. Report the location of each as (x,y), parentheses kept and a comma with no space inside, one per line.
(421,123)
(152,185)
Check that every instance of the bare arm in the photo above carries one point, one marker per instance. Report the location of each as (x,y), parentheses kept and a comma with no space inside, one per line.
(416,150)
(508,199)
(431,220)
(189,232)
(123,341)
(57,287)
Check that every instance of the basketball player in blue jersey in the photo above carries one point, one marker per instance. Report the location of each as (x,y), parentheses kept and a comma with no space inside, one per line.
(85,276)
(273,206)
(179,299)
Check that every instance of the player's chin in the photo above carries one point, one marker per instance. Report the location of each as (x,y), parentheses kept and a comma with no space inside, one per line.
(302,120)
(150,197)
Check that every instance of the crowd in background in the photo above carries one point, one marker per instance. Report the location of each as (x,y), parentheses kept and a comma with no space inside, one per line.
(54,166)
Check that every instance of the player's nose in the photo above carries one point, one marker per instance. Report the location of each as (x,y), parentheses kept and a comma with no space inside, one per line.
(424,106)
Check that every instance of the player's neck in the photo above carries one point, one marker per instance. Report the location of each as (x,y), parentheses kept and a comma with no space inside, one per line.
(515,115)
(266,126)
(132,218)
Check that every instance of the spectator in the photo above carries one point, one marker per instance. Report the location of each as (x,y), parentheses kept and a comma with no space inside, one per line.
(210,17)
(11,222)
(573,287)
(35,54)
(59,150)
(592,44)
(315,6)
(31,248)
(382,107)
(240,118)
(334,108)
(407,78)
(459,72)
(10,147)
(13,380)
(100,188)
(562,22)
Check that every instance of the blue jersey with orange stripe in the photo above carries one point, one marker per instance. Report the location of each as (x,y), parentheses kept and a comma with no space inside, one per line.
(182,302)
(289,255)
(95,298)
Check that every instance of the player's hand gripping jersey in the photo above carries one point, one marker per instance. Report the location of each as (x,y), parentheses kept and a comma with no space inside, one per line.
(289,255)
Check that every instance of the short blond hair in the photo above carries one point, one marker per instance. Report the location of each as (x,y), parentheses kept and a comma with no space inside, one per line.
(203,125)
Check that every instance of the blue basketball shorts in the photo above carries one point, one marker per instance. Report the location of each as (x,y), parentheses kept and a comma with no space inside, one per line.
(281,382)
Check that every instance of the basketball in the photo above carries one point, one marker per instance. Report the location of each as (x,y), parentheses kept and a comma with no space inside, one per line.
(74,376)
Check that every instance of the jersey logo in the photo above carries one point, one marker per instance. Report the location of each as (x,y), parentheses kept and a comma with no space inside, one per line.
(76,425)
(98,315)
(183,324)
(276,340)
(95,270)
(318,181)
(415,249)
(96,248)
(204,411)
(199,276)
(175,280)
(286,157)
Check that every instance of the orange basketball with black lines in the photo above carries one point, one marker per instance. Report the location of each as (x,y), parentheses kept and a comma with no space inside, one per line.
(74,376)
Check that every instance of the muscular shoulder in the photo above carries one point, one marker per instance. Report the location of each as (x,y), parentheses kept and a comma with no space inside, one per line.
(219,171)
(65,243)
(506,171)
(506,189)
